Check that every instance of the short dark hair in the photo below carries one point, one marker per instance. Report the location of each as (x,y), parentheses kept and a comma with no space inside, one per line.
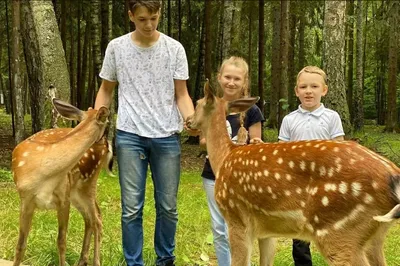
(152,6)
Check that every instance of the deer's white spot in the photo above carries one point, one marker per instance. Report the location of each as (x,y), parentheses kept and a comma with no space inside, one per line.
(93,157)
(330,187)
(343,187)
(224,194)
(356,188)
(353,215)
(235,174)
(313,191)
(308,144)
(91,149)
(266,173)
(325,201)
(86,155)
(241,180)
(336,149)
(368,198)
(25,154)
(317,145)
(280,160)
(294,147)
(260,150)
(231,204)
(39,148)
(253,188)
(264,158)
(288,193)
(247,162)
(312,166)
(277,176)
(310,227)
(247,178)
(352,161)
(374,184)
(322,171)
(303,154)
(291,164)
(302,203)
(323,148)
(288,177)
(338,160)
(269,189)
(330,172)
(274,196)
(251,161)
(255,163)
(303,165)
(240,159)
(322,233)
(338,168)
(316,219)
(275,152)
(21,163)
(298,190)
(260,190)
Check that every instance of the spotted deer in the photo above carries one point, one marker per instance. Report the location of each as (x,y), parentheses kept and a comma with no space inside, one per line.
(338,194)
(57,167)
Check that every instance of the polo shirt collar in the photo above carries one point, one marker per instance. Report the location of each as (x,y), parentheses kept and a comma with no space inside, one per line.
(317,112)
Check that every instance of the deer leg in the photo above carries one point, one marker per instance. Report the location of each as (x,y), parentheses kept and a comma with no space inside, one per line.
(374,251)
(267,251)
(25,221)
(83,260)
(342,253)
(241,243)
(98,227)
(63,217)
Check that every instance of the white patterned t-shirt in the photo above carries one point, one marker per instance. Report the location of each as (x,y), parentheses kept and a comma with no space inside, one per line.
(146,91)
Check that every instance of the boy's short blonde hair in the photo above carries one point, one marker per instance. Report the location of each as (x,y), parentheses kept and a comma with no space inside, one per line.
(313,70)
(152,6)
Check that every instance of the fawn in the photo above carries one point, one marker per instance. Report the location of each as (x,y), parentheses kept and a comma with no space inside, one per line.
(56,167)
(338,194)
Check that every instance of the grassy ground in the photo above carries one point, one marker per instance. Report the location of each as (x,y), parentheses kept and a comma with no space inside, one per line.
(194,240)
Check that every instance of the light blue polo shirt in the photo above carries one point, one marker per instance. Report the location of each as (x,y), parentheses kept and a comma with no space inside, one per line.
(322,123)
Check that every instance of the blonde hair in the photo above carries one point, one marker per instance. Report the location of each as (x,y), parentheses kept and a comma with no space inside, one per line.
(313,70)
(239,62)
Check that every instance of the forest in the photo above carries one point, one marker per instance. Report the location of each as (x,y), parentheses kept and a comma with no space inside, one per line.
(59,44)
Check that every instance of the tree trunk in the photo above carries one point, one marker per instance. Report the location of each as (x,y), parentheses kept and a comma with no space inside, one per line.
(291,58)
(283,89)
(45,60)
(96,39)
(79,89)
(198,89)
(104,26)
(350,53)
(72,60)
(275,66)
(86,51)
(63,28)
(228,14)
(16,80)
(391,121)
(334,42)
(261,55)
(358,115)
(207,25)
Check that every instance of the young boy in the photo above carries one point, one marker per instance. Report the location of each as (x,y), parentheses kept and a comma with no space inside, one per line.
(312,120)
(151,70)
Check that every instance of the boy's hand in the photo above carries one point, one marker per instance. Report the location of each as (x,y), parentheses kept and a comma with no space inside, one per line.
(256,141)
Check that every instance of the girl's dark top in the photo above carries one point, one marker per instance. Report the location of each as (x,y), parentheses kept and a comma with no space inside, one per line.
(253,116)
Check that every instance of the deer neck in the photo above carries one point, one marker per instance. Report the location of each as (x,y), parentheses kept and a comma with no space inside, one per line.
(219,144)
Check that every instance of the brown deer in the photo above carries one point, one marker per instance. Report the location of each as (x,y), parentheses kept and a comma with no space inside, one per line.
(56,167)
(337,194)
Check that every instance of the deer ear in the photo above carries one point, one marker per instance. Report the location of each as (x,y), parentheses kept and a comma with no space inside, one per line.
(102,114)
(67,110)
(208,93)
(242,104)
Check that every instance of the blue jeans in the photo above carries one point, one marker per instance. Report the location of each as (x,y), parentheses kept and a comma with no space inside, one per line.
(218,226)
(135,153)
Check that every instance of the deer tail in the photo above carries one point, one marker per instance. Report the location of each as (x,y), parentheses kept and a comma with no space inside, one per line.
(394,213)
